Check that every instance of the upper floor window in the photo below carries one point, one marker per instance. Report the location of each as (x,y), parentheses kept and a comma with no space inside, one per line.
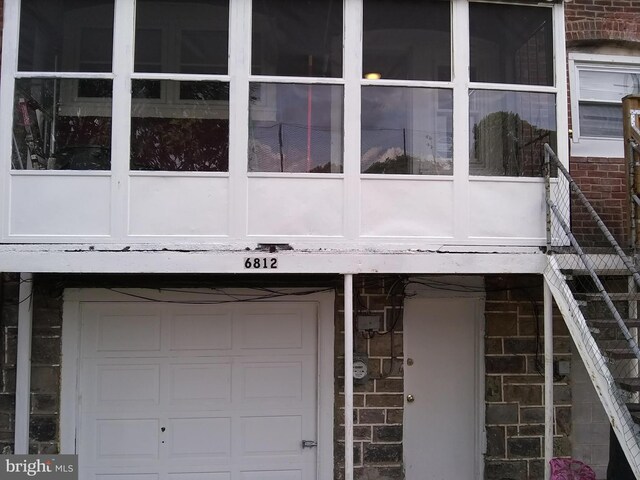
(182,123)
(301,70)
(406,124)
(56,126)
(598,84)
(512,109)
(295,116)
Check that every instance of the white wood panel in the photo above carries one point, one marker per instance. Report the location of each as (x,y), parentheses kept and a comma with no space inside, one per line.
(507,209)
(178,206)
(270,436)
(273,475)
(133,439)
(199,437)
(294,206)
(204,384)
(166,403)
(407,208)
(50,205)
(201,332)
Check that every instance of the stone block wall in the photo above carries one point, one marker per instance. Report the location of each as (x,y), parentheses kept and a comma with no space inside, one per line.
(378,403)
(9,290)
(45,364)
(514,363)
(514,386)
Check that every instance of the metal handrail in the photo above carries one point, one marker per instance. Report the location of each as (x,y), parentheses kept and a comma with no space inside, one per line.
(586,261)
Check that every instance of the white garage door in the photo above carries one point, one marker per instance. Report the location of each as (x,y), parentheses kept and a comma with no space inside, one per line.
(195,392)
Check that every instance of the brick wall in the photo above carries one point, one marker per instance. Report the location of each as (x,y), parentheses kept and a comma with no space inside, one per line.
(612,23)
(515,383)
(604,183)
(589,20)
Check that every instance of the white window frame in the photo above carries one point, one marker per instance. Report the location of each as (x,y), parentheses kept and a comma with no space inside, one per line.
(239,76)
(585,146)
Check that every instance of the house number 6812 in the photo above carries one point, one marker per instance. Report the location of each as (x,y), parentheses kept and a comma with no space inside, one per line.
(260,263)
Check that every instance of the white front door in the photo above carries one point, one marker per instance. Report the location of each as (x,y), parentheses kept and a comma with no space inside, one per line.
(194,392)
(442,418)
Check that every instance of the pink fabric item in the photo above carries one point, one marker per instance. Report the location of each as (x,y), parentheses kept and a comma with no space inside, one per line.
(569,469)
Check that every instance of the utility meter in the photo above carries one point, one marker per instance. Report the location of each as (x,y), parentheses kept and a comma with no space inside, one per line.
(360,368)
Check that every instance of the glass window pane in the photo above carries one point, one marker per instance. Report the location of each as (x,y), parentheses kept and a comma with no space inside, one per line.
(66,35)
(407,39)
(508,132)
(189,36)
(301,38)
(191,134)
(295,128)
(600,120)
(608,86)
(511,44)
(54,129)
(407,130)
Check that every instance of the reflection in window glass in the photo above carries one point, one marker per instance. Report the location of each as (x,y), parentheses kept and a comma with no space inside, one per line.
(511,44)
(407,39)
(54,130)
(188,36)
(509,130)
(600,99)
(186,134)
(287,40)
(52,30)
(407,130)
(295,128)
(601,120)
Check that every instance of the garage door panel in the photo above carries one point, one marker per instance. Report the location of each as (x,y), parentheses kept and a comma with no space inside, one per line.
(271,436)
(272,381)
(133,439)
(272,475)
(199,385)
(127,386)
(128,333)
(282,331)
(201,332)
(200,476)
(192,438)
(235,388)
(125,476)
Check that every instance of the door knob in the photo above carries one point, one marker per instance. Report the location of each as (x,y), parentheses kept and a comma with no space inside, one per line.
(410,398)
(309,444)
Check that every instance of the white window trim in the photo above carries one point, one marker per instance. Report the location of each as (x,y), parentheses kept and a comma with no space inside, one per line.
(583,146)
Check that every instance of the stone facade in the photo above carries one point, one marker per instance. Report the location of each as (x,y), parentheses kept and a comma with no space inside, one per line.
(514,385)
(378,403)
(514,367)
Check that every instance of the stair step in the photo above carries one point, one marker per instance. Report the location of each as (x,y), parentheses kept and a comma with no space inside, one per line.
(620,353)
(634,410)
(595,297)
(611,323)
(630,385)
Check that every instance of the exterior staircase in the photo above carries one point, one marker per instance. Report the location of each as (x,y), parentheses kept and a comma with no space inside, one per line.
(596,287)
